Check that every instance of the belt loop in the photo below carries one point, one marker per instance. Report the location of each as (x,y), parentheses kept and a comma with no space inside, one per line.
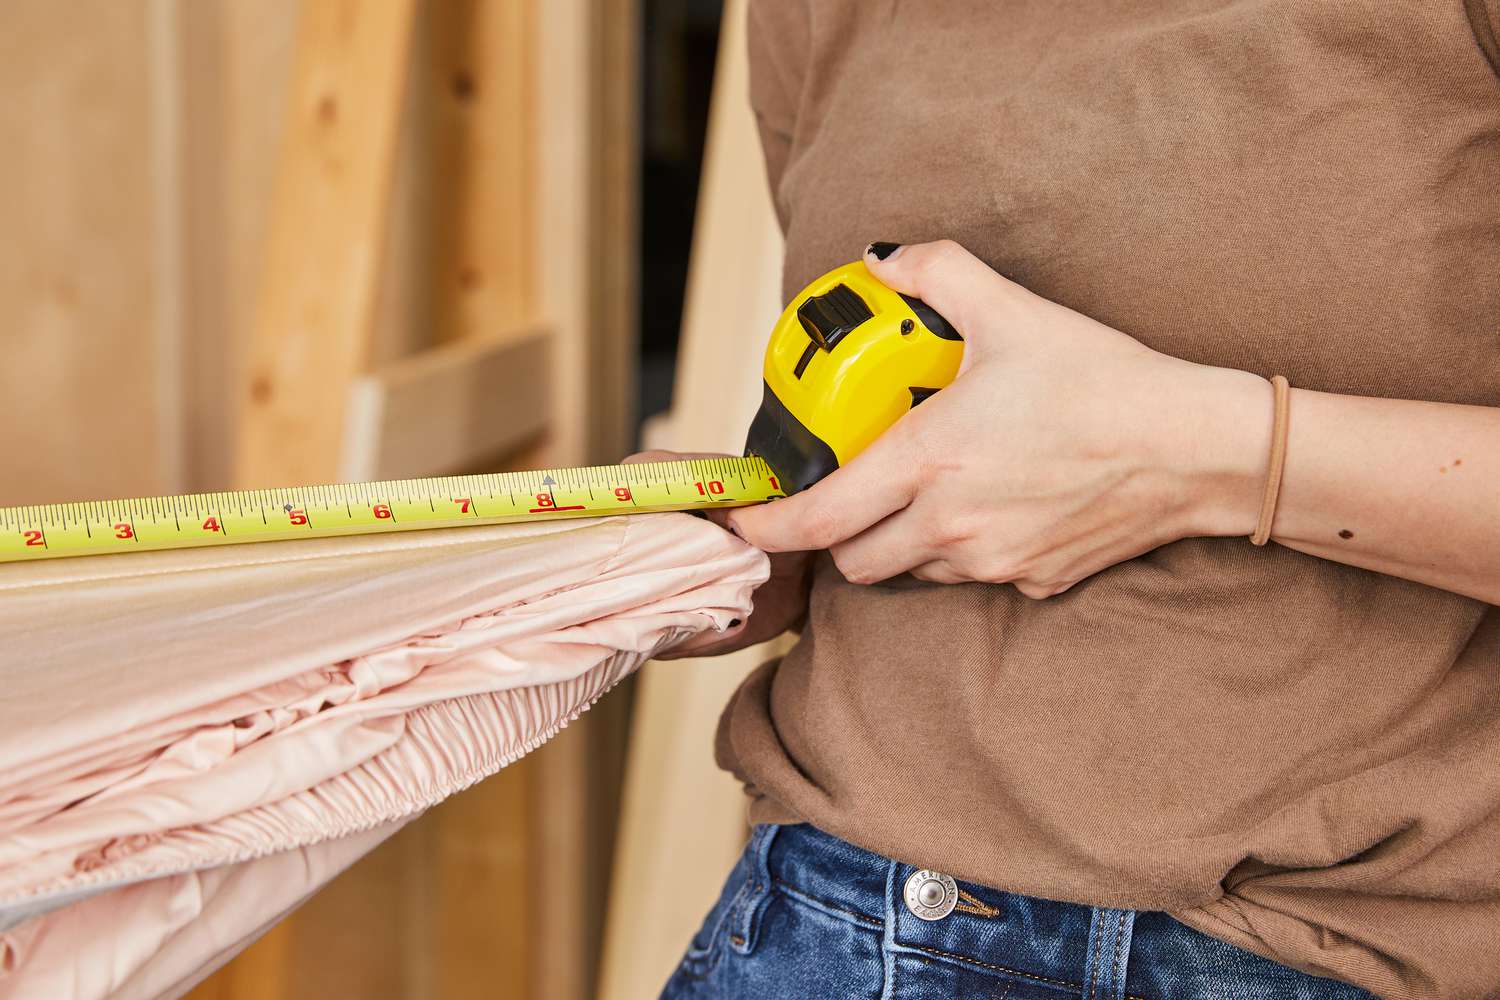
(744,920)
(1108,954)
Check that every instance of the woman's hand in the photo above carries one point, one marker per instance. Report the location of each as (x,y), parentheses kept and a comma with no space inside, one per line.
(779,604)
(1062,448)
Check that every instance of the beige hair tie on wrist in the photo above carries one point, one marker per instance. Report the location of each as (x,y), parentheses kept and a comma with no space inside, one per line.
(1283,391)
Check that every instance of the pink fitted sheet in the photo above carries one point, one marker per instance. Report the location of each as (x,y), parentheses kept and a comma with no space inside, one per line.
(192,742)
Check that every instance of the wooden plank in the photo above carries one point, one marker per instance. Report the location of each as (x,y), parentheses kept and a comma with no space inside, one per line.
(460,254)
(331,204)
(209,122)
(683,820)
(484,886)
(442,410)
(238,60)
(166,60)
(483,92)
(613,243)
(406,306)
(561,134)
(323,247)
(585,246)
(81,302)
(348,940)
(586,224)
(480,95)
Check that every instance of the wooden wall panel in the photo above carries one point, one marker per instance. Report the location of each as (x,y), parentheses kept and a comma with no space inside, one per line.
(83,373)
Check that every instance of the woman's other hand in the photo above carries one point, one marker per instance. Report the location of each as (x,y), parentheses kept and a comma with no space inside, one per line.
(1062,448)
(779,604)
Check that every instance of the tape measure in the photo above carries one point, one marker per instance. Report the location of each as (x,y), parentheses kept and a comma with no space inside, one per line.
(177,522)
(846,359)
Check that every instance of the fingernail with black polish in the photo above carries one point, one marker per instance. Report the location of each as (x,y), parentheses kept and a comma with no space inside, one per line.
(880,251)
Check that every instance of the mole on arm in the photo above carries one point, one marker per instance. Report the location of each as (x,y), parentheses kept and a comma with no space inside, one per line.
(1346,534)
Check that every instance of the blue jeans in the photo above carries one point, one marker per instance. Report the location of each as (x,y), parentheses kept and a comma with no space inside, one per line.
(805,915)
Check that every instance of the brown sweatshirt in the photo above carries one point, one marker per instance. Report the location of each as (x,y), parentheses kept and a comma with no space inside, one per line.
(1297,756)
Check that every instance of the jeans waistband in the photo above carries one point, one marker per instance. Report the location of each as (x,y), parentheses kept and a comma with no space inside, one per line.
(1064,945)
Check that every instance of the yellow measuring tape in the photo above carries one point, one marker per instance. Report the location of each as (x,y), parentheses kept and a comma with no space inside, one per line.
(112,526)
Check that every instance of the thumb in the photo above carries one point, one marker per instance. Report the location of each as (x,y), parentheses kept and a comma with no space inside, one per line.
(877,482)
(960,286)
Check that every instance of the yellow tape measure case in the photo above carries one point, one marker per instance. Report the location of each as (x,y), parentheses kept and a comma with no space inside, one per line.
(847,358)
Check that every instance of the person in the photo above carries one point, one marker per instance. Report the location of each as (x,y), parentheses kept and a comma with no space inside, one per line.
(1054,725)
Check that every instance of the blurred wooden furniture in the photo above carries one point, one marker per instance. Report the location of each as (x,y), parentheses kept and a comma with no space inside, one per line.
(413,219)
(683,821)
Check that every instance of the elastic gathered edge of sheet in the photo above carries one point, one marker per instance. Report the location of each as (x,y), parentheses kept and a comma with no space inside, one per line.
(572,699)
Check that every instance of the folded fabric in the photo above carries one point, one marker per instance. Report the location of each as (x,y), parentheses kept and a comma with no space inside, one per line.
(192,742)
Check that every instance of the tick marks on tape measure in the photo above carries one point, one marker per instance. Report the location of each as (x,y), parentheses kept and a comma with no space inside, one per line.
(1346,534)
(200,519)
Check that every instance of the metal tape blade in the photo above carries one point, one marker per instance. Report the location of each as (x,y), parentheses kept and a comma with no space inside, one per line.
(87,528)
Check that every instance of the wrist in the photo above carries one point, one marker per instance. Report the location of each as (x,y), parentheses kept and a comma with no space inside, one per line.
(1224,452)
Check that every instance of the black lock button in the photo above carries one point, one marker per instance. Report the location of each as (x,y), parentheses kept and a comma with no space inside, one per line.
(832,316)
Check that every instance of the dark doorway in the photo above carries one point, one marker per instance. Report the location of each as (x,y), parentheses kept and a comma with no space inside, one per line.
(678,49)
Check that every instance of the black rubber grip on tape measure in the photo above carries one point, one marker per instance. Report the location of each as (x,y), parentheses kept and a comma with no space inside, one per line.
(795,454)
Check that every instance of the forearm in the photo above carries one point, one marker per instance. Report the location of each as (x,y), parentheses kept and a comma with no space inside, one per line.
(1410,489)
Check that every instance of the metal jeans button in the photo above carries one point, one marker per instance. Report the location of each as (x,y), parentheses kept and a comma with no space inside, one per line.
(930,895)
